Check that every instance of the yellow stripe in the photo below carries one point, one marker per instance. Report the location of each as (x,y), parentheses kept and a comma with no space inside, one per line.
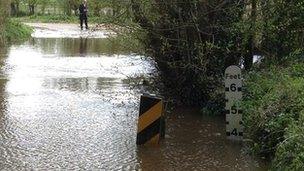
(150,116)
(154,140)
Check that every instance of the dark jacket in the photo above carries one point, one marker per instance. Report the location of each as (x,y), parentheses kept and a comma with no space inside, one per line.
(83,10)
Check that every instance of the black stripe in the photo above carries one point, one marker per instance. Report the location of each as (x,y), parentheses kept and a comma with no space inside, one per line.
(227,123)
(227,112)
(149,132)
(241,123)
(240,111)
(226,100)
(240,89)
(146,103)
(163,127)
(227,89)
(241,134)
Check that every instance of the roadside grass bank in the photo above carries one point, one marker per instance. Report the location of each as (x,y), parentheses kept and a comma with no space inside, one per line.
(15,32)
(274,113)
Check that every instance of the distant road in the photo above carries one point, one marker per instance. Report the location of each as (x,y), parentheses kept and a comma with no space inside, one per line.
(63,30)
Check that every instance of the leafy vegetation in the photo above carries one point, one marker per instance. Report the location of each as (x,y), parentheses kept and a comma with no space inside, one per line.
(11,30)
(15,31)
(58,7)
(290,153)
(3,18)
(273,114)
(194,41)
(60,11)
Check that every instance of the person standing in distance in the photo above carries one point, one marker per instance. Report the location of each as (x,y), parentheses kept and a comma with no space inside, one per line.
(83,14)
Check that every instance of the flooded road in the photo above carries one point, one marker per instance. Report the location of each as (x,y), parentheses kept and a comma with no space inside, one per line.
(68,102)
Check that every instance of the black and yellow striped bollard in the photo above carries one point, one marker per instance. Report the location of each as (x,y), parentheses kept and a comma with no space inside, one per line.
(151,121)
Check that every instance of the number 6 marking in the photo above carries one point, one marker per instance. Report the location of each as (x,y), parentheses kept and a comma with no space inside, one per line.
(233,87)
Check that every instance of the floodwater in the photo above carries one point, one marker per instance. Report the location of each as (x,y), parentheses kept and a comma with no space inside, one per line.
(70,102)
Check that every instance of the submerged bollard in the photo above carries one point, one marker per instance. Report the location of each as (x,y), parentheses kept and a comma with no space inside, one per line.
(151,122)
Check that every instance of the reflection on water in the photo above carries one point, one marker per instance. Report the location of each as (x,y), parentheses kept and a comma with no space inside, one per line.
(66,104)
(196,142)
(78,47)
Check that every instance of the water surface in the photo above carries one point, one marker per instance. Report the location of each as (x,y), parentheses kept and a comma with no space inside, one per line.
(69,102)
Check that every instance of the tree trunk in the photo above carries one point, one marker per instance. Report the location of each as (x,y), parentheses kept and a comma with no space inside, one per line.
(17,9)
(248,62)
(13,9)
(32,9)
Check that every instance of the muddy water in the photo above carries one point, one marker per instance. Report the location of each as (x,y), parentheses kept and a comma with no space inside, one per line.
(70,103)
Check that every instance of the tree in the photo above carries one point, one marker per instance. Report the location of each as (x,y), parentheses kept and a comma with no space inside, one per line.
(43,4)
(31,5)
(283,32)
(69,5)
(15,7)
(4,13)
(192,42)
(250,44)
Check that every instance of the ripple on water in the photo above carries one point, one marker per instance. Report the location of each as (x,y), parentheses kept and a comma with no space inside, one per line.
(70,105)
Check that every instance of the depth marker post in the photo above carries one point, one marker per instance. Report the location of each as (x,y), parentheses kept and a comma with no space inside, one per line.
(151,121)
(234,95)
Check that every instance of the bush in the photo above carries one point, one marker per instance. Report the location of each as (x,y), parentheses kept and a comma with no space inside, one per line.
(290,153)
(3,18)
(273,106)
(15,31)
(192,43)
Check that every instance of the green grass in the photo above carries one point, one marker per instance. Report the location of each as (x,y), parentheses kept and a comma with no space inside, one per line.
(274,113)
(15,31)
(290,153)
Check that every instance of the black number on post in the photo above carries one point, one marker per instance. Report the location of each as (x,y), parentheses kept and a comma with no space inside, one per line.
(234,132)
(234,110)
(233,87)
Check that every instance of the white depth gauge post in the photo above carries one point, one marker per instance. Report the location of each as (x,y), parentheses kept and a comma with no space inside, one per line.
(233,96)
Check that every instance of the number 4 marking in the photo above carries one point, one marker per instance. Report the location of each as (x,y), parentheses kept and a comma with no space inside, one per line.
(234,132)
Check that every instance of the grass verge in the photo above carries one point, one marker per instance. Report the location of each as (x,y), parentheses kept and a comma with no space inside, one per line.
(274,114)
(15,31)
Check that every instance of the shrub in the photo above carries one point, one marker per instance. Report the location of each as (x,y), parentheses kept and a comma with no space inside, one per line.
(273,104)
(290,152)
(15,31)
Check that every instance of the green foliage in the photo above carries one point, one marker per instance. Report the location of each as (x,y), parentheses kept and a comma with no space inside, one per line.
(15,31)
(290,152)
(273,114)
(55,7)
(11,30)
(192,42)
(281,28)
(4,4)
(69,5)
